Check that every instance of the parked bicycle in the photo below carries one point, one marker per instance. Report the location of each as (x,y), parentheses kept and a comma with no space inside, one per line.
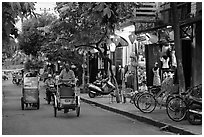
(186,105)
(156,95)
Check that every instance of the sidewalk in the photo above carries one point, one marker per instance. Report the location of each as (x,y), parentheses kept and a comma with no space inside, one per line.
(157,118)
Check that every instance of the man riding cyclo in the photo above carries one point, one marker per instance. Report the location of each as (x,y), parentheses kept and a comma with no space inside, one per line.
(67,83)
(67,77)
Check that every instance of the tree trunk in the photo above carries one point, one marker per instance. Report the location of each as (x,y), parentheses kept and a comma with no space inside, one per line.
(114,80)
(178,48)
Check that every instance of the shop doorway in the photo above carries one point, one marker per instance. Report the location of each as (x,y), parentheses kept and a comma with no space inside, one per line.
(152,55)
(93,68)
(187,61)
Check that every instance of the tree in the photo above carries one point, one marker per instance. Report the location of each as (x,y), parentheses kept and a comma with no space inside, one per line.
(82,24)
(30,42)
(33,36)
(91,23)
(10,13)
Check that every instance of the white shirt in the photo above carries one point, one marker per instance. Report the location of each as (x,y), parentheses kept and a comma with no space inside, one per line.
(165,62)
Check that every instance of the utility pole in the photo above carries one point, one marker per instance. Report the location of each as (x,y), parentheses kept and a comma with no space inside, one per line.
(178,47)
(83,74)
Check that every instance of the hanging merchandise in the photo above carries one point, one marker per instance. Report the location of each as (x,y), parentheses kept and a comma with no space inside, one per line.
(163,36)
(165,62)
(165,48)
(116,40)
(173,57)
(156,79)
(153,38)
(152,55)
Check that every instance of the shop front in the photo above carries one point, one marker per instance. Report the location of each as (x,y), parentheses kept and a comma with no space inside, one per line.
(163,53)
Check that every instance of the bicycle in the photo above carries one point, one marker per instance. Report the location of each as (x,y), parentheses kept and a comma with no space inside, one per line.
(147,101)
(178,106)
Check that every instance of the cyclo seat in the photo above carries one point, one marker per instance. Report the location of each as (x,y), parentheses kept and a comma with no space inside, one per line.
(66,88)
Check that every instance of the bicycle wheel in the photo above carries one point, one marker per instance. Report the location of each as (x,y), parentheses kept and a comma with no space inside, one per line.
(146,103)
(176,109)
(135,98)
(168,98)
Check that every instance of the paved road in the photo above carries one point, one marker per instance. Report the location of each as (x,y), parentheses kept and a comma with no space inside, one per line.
(92,121)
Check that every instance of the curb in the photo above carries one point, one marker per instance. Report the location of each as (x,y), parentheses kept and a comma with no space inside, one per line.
(161,125)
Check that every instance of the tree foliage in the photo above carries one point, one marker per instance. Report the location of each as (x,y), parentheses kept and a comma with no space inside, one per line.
(10,13)
(91,21)
(33,36)
(87,23)
(31,41)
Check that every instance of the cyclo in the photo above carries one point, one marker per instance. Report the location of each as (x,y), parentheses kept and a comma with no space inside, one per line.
(66,97)
(30,90)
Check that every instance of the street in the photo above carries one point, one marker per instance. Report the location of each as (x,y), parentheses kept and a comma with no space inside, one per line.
(92,120)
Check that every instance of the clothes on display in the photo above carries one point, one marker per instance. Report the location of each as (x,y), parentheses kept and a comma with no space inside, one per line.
(165,73)
(164,55)
(173,58)
(156,79)
(165,48)
(165,61)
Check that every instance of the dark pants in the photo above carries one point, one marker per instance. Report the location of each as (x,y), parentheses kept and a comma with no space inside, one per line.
(48,94)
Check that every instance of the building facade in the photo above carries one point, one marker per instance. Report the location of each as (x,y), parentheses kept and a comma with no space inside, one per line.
(190,16)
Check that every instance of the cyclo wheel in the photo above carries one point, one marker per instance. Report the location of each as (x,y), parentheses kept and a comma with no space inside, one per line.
(135,98)
(146,103)
(55,106)
(176,109)
(55,111)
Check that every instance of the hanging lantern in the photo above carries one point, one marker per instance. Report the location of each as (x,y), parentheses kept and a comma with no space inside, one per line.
(132,37)
(112,47)
(116,40)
